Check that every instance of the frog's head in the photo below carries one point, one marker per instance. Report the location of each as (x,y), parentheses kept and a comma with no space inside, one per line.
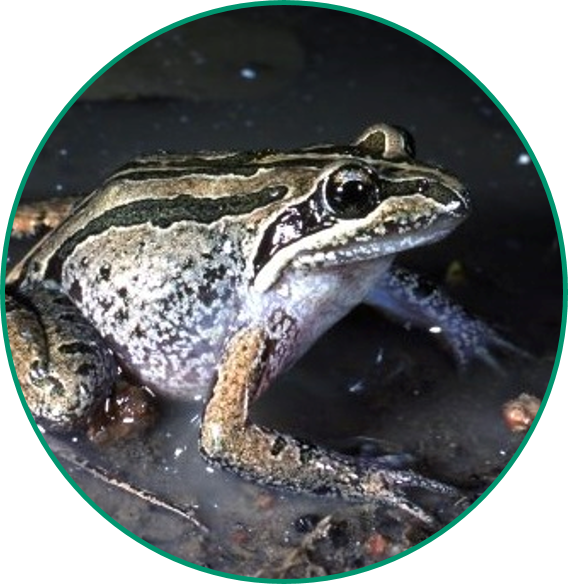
(364,202)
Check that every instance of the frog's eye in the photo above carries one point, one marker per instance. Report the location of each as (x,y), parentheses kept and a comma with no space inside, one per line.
(352,192)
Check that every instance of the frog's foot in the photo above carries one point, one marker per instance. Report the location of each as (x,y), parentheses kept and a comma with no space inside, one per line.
(410,298)
(470,339)
(64,370)
(393,488)
(232,441)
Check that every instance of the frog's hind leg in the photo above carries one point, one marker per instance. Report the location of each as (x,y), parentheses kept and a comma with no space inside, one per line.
(231,440)
(64,369)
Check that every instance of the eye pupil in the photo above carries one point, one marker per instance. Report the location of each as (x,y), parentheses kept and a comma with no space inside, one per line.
(352,192)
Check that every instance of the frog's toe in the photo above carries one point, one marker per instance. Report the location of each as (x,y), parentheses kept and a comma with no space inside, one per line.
(473,340)
(400,483)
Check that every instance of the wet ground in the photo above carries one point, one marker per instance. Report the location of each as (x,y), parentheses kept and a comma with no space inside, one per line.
(289,76)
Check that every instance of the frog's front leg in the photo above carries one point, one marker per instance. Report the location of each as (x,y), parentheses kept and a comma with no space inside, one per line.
(231,440)
(411,298)
(64,368)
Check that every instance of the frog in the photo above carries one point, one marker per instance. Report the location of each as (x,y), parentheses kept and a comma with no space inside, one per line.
(204,276)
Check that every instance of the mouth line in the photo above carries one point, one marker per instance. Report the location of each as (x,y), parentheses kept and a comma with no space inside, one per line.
(386,245)
(370,247)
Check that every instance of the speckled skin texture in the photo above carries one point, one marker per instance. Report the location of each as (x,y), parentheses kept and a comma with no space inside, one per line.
(214,272)
(188,306)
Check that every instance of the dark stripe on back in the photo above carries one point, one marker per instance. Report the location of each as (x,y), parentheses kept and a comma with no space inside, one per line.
(238,163)
(241,164)
(162,213)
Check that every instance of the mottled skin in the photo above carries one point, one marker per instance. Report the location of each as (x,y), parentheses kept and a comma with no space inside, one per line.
(206,275)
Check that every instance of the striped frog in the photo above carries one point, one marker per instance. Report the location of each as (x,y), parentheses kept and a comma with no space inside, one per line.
(204,276)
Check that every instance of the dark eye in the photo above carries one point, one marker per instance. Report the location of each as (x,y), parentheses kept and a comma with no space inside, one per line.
(352,192)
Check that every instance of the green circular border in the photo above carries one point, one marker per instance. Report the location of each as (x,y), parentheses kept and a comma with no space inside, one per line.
(552,207)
